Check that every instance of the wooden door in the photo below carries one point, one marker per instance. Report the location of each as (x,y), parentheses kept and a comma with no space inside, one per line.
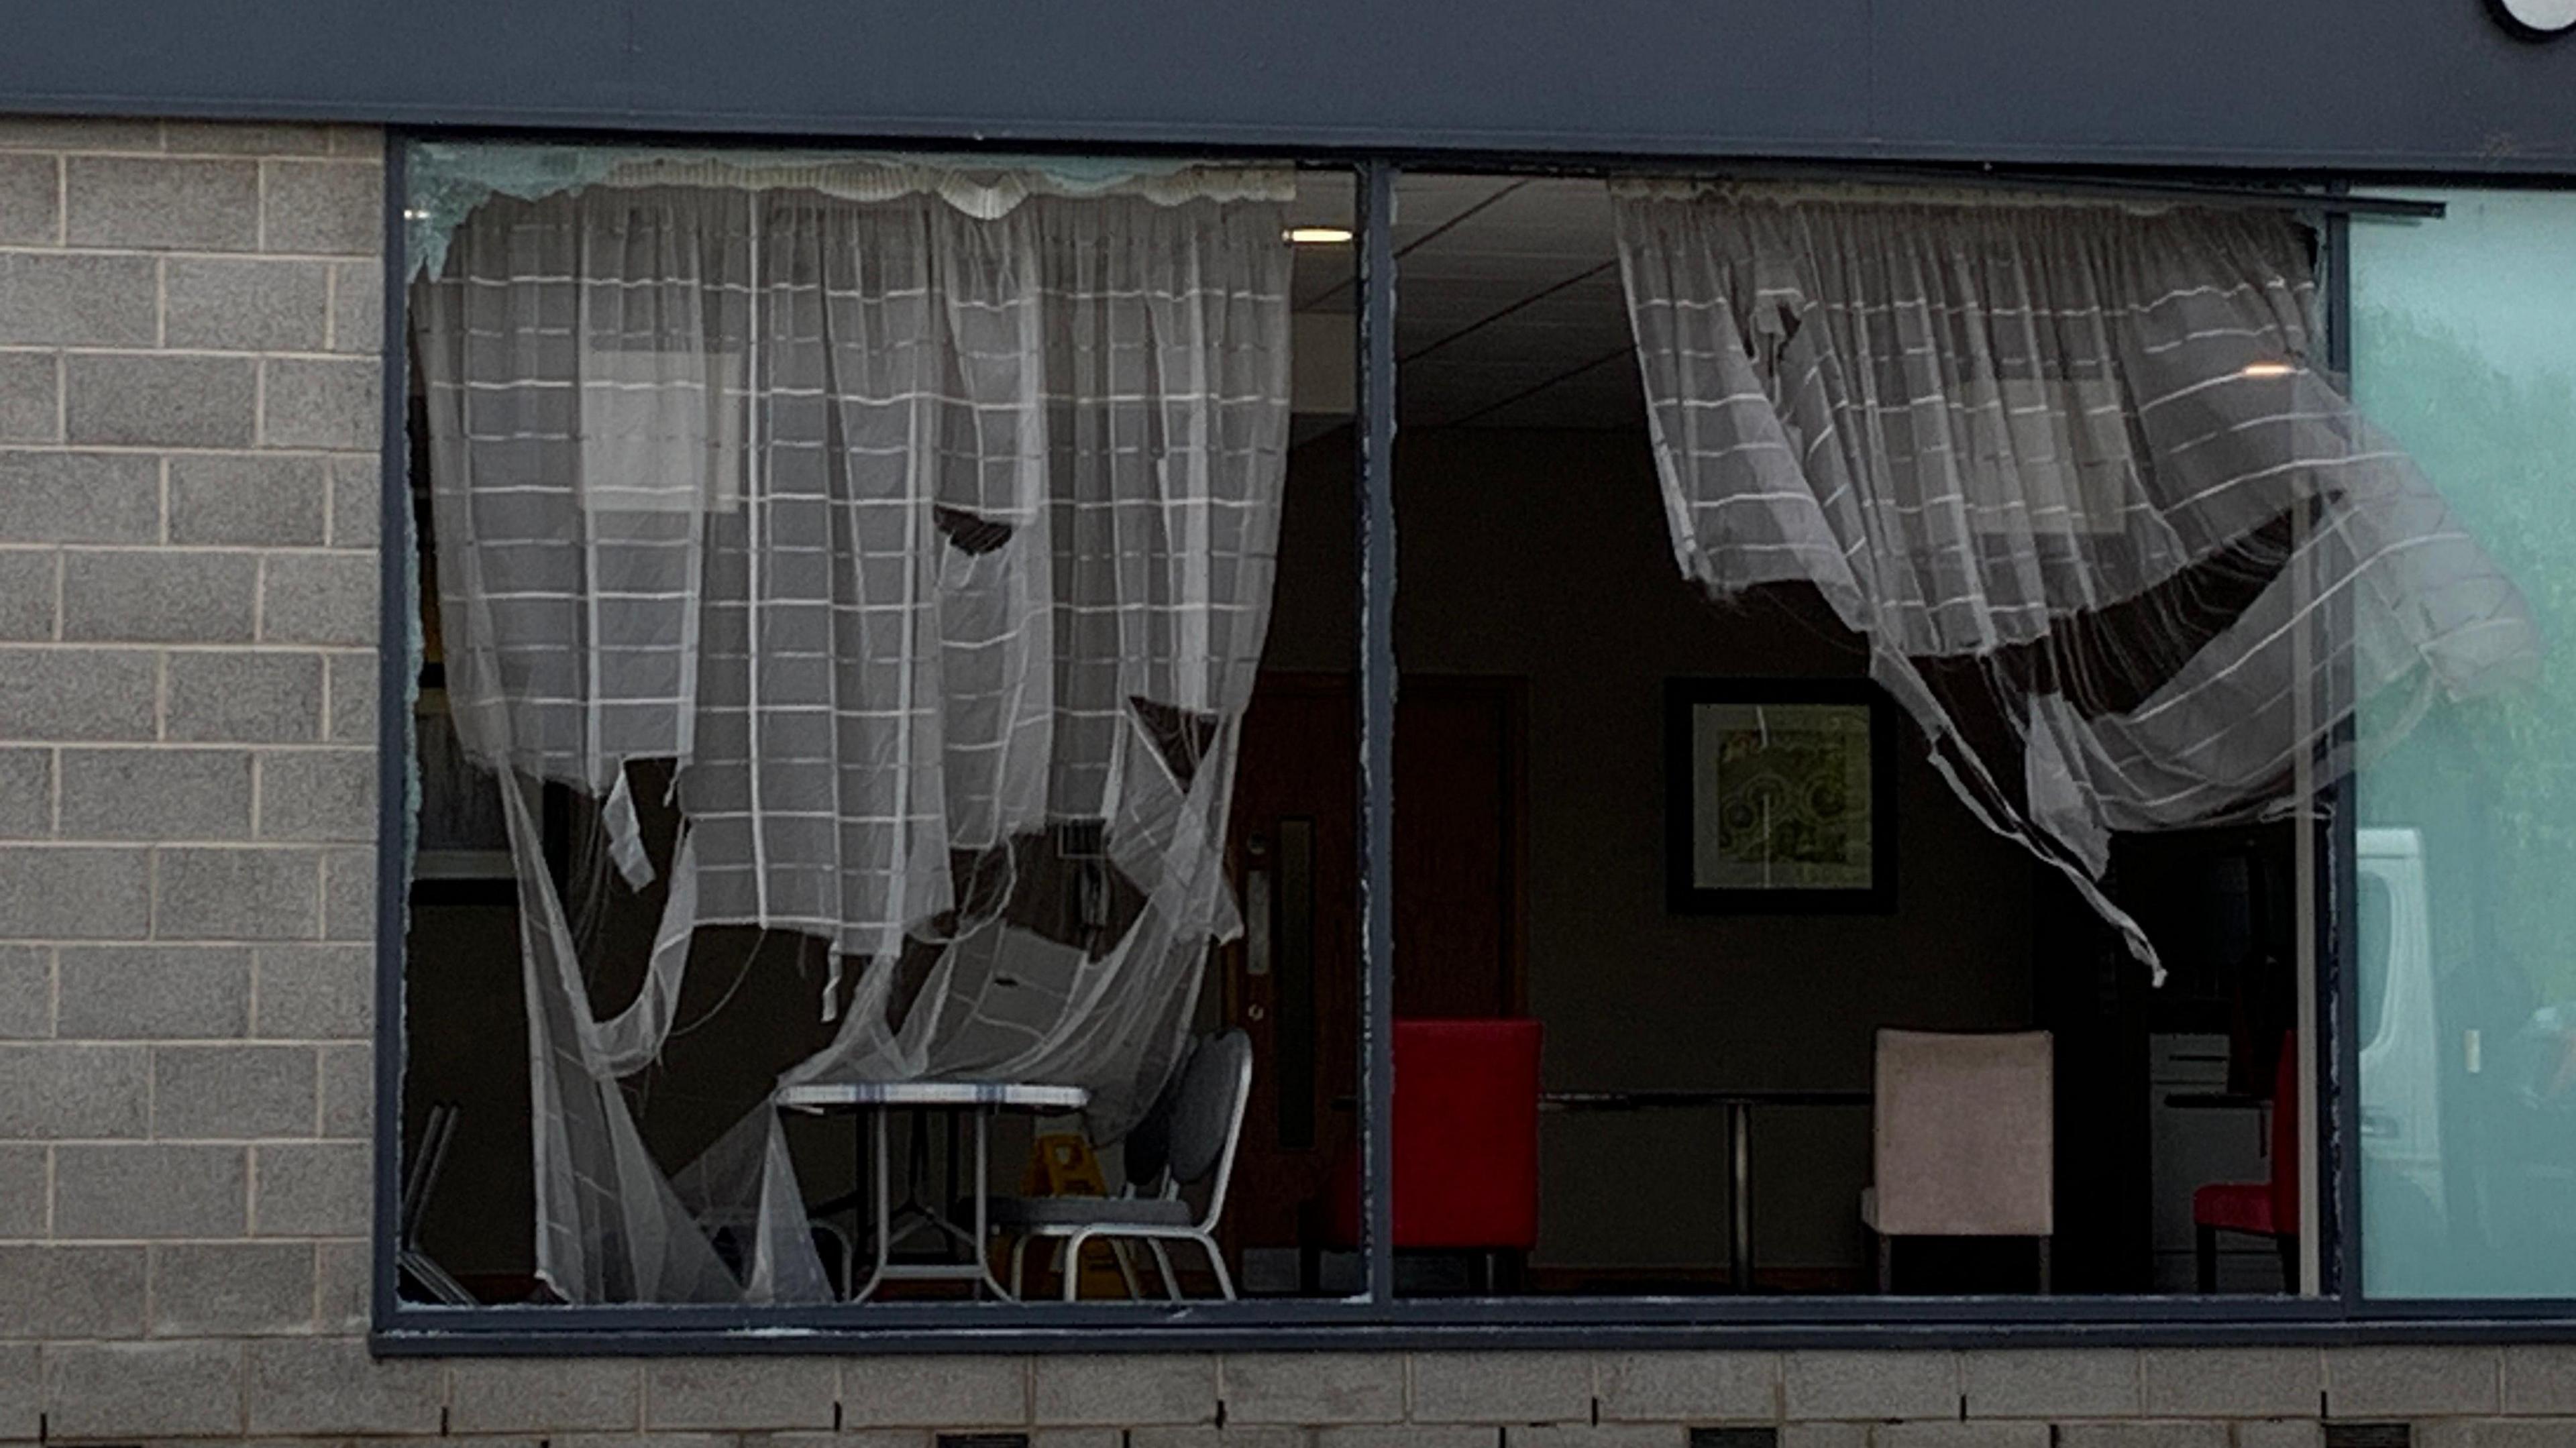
(1293,982)
(1458,848)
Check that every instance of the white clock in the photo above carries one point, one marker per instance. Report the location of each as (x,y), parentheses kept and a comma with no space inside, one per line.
(2538,17)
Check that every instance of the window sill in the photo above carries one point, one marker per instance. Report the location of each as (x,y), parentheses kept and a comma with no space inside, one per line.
(1533,1323)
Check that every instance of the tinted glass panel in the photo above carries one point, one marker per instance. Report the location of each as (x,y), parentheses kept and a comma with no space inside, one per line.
(2465,348)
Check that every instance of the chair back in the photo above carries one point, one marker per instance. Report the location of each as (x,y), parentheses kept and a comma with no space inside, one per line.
(2285,1135)
(1466,1134)
(1466,1140)
(1964,1134)
(1207,1114)
(1145,1153)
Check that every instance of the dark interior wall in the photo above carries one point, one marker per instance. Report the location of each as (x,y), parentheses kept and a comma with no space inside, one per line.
(465,1038)
(750,1008)
(1544,556)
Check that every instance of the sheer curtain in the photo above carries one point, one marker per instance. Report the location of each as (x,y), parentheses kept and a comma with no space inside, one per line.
(935,548)
(2118,546)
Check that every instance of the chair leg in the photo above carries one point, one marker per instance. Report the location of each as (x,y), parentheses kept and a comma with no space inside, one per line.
(2204,1256)
(1886,1265)
(1216,1260)
(1019,1266)
(1163,1264)
(2047,1265)
(1073,1246)
(1127,1271)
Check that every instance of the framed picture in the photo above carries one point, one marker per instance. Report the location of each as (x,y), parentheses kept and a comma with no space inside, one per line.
(1779,796)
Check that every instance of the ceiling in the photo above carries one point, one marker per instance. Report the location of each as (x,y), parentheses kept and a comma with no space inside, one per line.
(1509,311)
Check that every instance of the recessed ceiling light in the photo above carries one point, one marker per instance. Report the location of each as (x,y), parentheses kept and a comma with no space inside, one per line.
(1319,235)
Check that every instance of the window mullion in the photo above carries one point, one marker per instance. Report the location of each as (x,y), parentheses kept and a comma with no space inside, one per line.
(1376,548)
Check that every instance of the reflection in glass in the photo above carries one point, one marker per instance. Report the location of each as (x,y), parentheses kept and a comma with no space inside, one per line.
(2467,924)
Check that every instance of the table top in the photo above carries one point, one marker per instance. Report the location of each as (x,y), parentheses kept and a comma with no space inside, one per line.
(1670,1098)
(1023,1095)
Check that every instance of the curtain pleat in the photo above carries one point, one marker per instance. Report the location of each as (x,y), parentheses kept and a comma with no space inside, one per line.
(905,534)
(2119,546)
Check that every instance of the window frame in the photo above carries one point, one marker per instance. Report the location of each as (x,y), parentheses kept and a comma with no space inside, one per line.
(1378,1318)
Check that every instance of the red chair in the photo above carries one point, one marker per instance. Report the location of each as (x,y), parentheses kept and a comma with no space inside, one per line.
(2261,1209)
(1466,1143)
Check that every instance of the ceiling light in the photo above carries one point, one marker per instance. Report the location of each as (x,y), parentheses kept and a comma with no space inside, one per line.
(1318,235)
(2267,369)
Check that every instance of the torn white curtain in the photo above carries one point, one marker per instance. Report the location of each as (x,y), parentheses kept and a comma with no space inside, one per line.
(444,181)
(914,537)
(2116,545)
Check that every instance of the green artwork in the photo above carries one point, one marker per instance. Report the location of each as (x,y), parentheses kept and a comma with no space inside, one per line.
(1782,797)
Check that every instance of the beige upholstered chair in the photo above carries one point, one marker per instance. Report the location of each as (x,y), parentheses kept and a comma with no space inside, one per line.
(1963,1140)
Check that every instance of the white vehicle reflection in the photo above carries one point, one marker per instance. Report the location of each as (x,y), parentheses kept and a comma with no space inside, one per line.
(2401,1045)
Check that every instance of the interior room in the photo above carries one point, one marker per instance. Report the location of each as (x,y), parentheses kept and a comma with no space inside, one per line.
(1654,1044)
(1540,630)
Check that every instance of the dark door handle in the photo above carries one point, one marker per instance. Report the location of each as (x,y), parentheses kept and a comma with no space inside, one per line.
(1256,907)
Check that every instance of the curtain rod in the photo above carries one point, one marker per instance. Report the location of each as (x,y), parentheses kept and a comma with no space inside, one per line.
(2109,188)
(2184,193)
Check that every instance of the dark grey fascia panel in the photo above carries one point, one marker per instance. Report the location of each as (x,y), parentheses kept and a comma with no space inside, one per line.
(365,61)
(2363,85)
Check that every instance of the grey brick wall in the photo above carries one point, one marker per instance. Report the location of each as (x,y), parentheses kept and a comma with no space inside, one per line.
(189,409)
(188,495)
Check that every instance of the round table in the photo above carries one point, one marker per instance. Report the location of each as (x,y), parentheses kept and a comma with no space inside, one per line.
(879,1098)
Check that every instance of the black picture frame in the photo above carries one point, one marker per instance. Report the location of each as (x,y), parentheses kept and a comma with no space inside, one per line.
(1687,889)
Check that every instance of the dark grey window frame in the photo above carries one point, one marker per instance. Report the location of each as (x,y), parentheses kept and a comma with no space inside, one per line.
(1379,1319)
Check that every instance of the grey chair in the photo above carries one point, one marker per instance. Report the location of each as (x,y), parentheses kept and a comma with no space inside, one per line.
(1188,1138)
(1964,1141)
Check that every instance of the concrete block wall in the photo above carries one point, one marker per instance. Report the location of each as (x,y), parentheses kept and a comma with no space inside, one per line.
(190,322)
